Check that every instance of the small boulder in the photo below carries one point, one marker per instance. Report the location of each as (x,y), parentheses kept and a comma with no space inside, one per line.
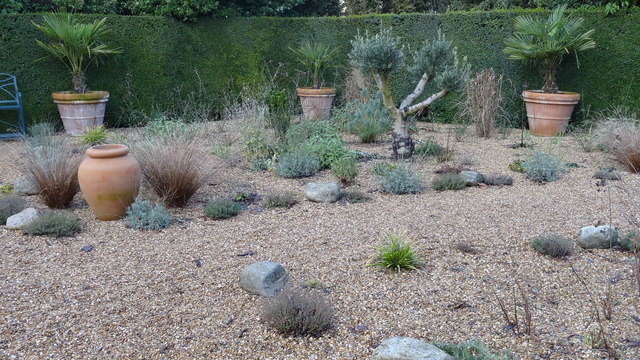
(472,178)
(22,219)
(597,237)
(263,278)
(24,186)
(406,348)
(322,192)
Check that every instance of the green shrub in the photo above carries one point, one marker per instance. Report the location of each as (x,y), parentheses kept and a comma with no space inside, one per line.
(396,254)
(6,189)
(298,312)
(354,197)
(319,138)
(542,167)
(55,224)
(400,180)
(471,350)
(516,166)
(94,135)
(630,242)
(164,126)
(498,179)
(257,151)
(553,245)
(296,164)
(10,205)
(287,199)
(221,209)
(367,119)
(448,182)
(143,215)
(428,148)
(381,169)
(345,169)
(279,113)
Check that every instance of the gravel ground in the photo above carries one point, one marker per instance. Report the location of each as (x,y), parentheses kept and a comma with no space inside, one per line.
(140,295)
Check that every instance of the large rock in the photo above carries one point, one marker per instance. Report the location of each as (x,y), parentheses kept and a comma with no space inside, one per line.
(322,192)
(23,186)
(472,178)
(597,237)
(406,348)
(264,278)
(20,220)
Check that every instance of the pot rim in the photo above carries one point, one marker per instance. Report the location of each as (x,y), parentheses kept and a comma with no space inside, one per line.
(107,151)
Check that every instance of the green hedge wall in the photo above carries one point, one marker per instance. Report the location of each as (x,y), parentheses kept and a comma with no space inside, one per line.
(161,54)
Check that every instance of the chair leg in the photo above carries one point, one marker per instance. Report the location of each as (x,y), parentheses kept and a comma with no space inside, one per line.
(21,121)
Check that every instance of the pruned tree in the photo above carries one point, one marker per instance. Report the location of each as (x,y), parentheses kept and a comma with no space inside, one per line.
(434,61)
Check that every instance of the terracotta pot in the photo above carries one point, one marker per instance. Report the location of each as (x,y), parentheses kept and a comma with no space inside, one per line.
(316,103)
(81,111)
(109,180)
(549,114)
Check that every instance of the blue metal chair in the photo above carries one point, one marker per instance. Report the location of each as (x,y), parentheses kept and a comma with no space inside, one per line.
(11,99)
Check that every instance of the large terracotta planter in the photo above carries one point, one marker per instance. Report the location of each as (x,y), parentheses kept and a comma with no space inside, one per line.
(549,114)
(109,180)
(316,103)
(81,111)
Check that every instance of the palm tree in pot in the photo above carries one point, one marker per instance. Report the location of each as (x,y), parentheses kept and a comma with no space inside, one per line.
(316,58)
(545,42)
(77,45)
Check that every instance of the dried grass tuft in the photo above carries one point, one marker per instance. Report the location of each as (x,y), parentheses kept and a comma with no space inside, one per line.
(619,131)
(483,101)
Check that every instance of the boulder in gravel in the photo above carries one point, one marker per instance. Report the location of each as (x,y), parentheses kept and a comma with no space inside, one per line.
(24,186)
(20,220)
(328,192)
(263,278)
(472,178)
(597,237)
(406,348)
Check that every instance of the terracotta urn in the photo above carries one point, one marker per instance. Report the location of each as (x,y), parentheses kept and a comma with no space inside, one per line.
(316,103)
(549,114)
(109,180)
(81,111)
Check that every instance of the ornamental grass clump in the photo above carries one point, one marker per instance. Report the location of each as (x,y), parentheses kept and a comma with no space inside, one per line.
(220,209)
(52,166)
(143,215)
(553,245)
(444,182)
(298,312)
(619,132)
(397,254)
(55,224)
(542,167)
(96,135)
(400,180)
(10,205)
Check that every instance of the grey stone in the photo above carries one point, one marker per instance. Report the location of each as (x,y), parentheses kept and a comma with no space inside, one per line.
(597,237)
(263,278)
(23,186)
(406,348)
(328,192)
(472,178)
(87,248)
(20,220)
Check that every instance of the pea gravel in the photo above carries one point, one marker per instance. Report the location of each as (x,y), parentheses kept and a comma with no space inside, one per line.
(174,294)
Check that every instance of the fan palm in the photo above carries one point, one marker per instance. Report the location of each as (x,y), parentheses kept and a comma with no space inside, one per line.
(77,45)
(545,42)
(316,58)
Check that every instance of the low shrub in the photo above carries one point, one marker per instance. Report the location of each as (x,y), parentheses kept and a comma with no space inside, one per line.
(450,169)
(6,189)
(298,312)
(553,245)
(287,199)
(354,197)
(10,205)
(55,224)
(542,167)
(320,138)
(257,151)
(444,182)
(396,254)
(428,148)
(400,180)
(143,215)
(94,135)
(367,119)
(466,248)
(516,166)
(471,350)
(382,168)
(296,164)
(164,126)
(630,242)
(221,209)
(498,179)
(345,169)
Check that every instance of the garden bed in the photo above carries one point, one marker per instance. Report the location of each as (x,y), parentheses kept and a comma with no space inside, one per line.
(174,293)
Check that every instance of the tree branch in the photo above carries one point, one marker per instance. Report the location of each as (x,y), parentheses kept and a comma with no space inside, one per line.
(416,92)
(425,103)
(387,100)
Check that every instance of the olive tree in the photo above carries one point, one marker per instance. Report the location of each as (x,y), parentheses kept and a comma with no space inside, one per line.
(434,61)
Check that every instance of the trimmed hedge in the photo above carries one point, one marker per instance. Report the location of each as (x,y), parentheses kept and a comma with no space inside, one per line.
(161,54)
